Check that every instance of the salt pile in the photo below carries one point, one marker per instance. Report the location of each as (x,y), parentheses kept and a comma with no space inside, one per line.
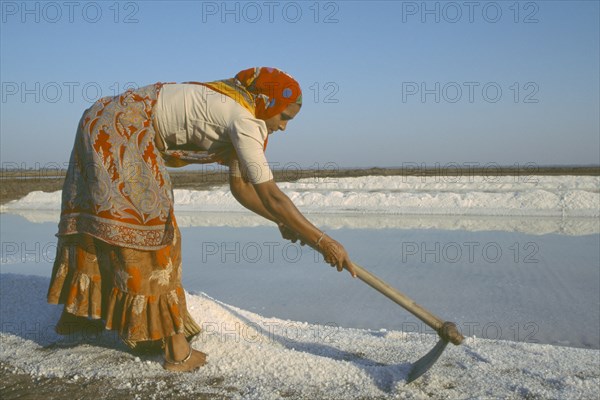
(253,357)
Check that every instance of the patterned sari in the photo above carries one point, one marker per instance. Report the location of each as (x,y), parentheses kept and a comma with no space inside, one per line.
(119,248)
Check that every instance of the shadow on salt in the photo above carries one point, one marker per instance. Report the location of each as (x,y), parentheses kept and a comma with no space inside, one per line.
(31,344)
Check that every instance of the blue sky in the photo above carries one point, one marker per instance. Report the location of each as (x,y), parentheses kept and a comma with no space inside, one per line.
(387,83)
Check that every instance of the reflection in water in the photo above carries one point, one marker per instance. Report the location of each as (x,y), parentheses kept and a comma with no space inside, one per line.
(572,226)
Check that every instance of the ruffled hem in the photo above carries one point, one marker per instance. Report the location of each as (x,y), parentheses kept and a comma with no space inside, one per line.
(190,330)
(140,318)
(81,293)
(136,318)
(89,290)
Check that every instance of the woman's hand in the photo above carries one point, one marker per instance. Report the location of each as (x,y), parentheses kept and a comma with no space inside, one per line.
(289,234)
(173,162)
(333,252)
(294,226)
(335,255)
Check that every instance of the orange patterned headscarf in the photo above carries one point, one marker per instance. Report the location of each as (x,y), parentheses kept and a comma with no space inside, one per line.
(272,88)
(263,91)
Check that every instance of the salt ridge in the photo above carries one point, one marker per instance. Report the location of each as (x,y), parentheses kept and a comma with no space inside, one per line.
(536,196)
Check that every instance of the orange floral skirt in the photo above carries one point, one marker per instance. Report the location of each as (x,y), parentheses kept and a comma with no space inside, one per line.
(136,292)
(119,248)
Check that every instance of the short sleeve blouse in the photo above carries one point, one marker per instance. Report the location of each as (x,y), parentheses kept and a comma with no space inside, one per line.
(194,117)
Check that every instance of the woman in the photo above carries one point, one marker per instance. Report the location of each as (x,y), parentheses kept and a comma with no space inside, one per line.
(118,262)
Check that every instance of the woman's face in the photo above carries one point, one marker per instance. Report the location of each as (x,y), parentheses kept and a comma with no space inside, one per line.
(279,122)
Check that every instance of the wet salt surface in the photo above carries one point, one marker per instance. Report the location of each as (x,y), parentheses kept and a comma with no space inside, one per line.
(280,323)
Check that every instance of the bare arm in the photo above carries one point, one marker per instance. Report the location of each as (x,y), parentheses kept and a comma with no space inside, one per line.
(279,205)
(283,210)
(267,200)
(245,194)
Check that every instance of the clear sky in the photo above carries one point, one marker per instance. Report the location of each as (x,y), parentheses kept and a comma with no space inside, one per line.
(386,83)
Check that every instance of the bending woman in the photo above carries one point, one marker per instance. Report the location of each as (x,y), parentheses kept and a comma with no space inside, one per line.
(118,261)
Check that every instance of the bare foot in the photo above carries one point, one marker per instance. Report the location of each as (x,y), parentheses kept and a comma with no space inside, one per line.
(69,324)
(196,360)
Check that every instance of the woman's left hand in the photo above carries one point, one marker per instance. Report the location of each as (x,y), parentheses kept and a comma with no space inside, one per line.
(289,234)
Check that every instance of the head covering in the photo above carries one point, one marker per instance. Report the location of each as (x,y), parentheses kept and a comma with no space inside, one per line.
(263,91)
(272,88)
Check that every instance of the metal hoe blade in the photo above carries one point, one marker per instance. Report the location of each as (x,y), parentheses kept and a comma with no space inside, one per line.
(423,364)
(447,331)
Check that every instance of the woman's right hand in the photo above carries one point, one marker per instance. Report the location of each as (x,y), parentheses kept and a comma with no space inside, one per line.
(336,255)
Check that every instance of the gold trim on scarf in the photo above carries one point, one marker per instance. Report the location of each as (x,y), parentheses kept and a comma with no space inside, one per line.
(233,89)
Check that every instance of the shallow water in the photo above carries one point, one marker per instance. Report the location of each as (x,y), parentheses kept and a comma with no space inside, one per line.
(493,284)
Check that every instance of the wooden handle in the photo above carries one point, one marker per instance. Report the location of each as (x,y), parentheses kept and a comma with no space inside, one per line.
(446,330)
